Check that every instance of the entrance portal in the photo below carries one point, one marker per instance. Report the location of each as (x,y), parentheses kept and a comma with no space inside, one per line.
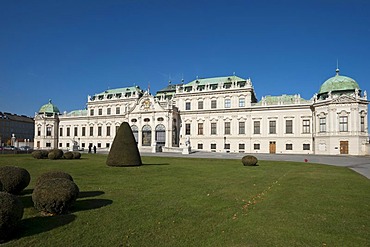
(272,147)
(343,147)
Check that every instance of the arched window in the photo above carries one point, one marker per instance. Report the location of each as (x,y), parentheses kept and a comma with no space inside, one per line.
(135,131)
(160,134)
(147,135)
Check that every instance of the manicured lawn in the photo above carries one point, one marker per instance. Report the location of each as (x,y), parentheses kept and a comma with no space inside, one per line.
(200,202)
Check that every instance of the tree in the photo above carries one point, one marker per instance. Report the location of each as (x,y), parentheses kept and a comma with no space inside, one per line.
(124,151)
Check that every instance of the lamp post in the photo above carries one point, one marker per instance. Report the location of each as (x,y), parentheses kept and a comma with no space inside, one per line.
(12,142)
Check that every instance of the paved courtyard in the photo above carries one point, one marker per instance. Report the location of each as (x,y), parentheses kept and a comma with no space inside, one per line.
(360,164)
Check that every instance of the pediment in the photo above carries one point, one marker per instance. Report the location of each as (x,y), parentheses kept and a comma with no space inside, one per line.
(343,99)
(147,103)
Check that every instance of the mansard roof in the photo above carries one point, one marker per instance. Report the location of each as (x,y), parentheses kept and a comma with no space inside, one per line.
(282,100)
(120,90)
(214,80)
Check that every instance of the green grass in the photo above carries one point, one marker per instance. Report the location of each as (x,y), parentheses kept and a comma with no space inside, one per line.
(200,202)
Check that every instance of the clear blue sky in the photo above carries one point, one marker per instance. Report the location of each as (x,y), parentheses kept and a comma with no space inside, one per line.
(66,50)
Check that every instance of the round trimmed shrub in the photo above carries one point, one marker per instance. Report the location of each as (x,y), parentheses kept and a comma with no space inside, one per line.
(37,154)
(68,155)
(14,179)
(52,156)
(55,154)
(76,155)
(11,212)
(55,196)
(44,154)
(249,160)
(51,175)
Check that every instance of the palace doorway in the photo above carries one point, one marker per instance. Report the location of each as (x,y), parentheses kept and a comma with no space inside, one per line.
(343,147)
(272,147)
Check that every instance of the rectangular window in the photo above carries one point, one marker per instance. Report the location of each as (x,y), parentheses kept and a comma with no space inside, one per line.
(99,130)
(83,131)
(118,110)
(61,132)
(241,102)
(60,145)
(67,144)
(200,105)
(108,130)
(227,128)
(100,111)
(99,145)
(289,126)
(288,146)
(213,145)
(241,128)
(117,127)
(107,145)
(91,112)
(241,146)
(68,131)
(187,129)
(343,123)
(213,104)
(200,128)
(91,131)
(322,122)
(187,106)
(256,146)
(213,128)
(362,121)
(272,127)
(227,146)
(227,103)
(38,131)
(256,127)
(108,111)
(200,145)
(306,146)
(48,145)
(75,131)
(83,145)
(306,126)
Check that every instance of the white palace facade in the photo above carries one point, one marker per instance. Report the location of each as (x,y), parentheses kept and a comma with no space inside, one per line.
(220,114)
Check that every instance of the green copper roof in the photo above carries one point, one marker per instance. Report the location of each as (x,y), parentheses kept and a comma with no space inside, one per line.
(49,108)
(169,88)
(338,83)
(76,113)
(282,99)
(120,90)
(214,80)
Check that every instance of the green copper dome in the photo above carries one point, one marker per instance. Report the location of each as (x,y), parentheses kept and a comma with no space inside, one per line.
(49,108)
(338,83)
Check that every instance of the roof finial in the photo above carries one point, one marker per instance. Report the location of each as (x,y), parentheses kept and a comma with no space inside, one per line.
(337,70)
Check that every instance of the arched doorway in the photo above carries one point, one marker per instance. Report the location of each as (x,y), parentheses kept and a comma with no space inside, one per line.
(135,131)
(160,136)
(147,135)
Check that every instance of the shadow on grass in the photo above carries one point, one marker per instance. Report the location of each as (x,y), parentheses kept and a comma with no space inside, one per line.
(26,192)
(26,201)
(39,224)
(158,164)
(85,194)
(89,204)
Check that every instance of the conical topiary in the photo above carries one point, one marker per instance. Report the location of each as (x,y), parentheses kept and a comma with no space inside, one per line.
(124,151)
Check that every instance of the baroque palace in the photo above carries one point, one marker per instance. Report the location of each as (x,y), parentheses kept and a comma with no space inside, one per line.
(220,114)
